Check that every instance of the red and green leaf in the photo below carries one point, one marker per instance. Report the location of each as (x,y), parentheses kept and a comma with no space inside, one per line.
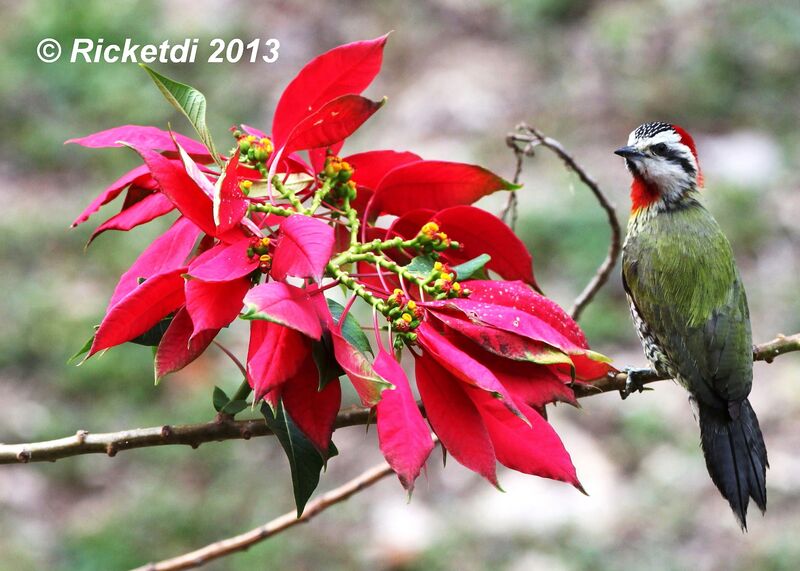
(305,461)
(367,382)
(283,304)
(312,408)
(460,364)
(502,343)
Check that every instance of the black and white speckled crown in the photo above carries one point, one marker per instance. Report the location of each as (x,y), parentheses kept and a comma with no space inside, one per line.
(648,130)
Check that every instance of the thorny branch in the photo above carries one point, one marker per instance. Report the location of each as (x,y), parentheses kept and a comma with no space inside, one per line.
(523,142)
(248,539)
(194,435)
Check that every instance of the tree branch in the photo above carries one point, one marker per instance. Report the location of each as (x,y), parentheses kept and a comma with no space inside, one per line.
(530,137)
(765,352)
(221,429)
(84,442)
(246,540)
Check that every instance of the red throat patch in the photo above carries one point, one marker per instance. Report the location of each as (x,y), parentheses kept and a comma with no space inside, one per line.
(642,194)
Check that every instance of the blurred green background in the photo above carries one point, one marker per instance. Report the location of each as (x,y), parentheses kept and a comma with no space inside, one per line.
(459,75)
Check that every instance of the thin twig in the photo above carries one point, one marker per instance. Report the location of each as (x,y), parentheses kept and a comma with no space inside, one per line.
(248,539)
(196,434)
(530,137)
(509,215)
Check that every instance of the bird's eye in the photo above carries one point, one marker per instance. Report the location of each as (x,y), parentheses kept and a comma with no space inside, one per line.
(659,149)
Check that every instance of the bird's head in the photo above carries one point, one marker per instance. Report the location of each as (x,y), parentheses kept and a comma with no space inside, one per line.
(663,161)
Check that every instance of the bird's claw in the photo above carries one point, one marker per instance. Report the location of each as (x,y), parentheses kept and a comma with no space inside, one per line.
(634,382)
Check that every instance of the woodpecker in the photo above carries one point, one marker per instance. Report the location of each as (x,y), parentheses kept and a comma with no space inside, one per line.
(690,309)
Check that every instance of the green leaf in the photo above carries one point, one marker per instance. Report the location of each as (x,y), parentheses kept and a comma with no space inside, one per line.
(219,398)
(421,265)
(234,407)
(305,461)
(327,365)
(188,101)
(469,268)
(152,337)
(351,330)
(83,350)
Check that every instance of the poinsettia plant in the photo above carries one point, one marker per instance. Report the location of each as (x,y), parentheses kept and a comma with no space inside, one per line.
(266,231)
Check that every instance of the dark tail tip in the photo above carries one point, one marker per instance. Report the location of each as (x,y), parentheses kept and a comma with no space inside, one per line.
(736,456)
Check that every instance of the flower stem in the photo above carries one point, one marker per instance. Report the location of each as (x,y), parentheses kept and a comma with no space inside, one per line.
(270,209)
(357,288)
(319,196)
(288,194)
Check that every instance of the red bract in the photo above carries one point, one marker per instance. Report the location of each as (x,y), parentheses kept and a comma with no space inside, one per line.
(263,234)
(144,138)
(304,247)
(404,436)
(435,185)
(343,70)
(230,203)
(334,122)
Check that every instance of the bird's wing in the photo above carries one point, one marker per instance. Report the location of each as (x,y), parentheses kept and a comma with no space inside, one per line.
(683,282)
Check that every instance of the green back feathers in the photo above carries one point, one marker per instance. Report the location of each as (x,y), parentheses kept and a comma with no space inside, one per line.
(679,271)
(688,261)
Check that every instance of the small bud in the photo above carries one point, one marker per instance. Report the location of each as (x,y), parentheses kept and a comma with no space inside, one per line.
(429,229)
(261,153)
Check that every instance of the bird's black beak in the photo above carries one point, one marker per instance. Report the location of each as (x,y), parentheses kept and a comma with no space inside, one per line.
(629,153)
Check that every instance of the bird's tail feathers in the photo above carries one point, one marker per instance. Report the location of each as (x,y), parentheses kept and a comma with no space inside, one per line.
(735,454)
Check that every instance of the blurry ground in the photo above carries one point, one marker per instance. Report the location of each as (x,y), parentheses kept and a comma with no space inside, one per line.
(459,76)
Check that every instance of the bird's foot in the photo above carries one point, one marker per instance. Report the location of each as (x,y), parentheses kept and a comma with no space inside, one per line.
(634,382)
